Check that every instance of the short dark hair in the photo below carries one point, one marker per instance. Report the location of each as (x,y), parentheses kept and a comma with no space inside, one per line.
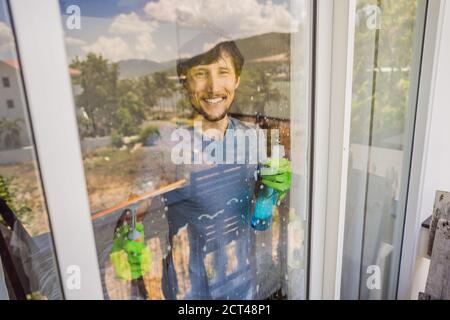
(229,47)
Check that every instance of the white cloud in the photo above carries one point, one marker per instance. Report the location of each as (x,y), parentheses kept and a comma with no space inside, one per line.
(74,41)
(6,38)
(131,24)
(131,38)
(113,48)
(232,19)
(143,46)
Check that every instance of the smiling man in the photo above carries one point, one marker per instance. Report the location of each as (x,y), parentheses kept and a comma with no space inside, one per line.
(211,80)
(215,207)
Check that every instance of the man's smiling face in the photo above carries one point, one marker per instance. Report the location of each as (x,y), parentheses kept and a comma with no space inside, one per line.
(211,87)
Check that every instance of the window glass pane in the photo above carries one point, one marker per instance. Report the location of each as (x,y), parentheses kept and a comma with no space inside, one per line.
(388,49)
(149,79)
(27,255)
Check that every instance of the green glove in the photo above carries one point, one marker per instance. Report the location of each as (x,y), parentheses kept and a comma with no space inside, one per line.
(131,259)
(276,173)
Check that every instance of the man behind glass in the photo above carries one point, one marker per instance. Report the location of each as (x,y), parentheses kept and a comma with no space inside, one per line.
(216,206)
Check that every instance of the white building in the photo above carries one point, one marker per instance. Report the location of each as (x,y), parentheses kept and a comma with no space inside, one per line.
(12,104)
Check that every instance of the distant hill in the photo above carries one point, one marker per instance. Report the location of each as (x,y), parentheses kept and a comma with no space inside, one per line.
(252,48)
(140,67)
(264,45)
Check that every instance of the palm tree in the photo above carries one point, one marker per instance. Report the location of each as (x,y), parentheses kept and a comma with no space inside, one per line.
(10,132)
(164,87)
(146,88)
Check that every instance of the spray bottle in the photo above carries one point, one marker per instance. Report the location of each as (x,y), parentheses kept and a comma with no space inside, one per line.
(267,197)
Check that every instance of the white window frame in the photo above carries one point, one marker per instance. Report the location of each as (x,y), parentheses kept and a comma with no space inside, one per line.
(431,91)
(322,87)
(39,35)
(67,200)
(39,31)
(335,48)
(334,75)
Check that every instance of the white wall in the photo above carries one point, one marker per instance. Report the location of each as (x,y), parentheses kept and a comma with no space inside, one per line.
(16,155)
(94,143)
(14,92)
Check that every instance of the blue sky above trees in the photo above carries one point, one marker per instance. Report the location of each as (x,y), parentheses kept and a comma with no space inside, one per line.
(161,30)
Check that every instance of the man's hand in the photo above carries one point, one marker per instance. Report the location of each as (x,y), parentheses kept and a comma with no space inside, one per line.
(276,173)
(143,209)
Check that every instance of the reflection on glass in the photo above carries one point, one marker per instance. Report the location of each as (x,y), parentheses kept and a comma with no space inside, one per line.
(178,107)
(26,249)
(388,42)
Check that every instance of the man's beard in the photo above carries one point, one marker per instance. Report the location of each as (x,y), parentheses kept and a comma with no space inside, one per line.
(209,117)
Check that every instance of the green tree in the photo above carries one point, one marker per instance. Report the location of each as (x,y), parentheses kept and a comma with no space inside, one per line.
(382,70)
(163,86)
(8,194)
(184,108)
(129,114)
(98,80)
(256,89)
(146,89)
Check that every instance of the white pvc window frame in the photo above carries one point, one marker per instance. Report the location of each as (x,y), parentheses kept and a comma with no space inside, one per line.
(39,32)
(39,36)
(42,52)
(52,112)
(335,49)
(334,75)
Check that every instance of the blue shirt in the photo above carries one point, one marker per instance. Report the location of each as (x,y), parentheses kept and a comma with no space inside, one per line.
(216,208)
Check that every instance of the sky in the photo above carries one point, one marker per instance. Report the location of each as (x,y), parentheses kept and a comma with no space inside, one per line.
(7,50)
(163,30)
